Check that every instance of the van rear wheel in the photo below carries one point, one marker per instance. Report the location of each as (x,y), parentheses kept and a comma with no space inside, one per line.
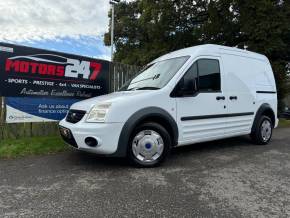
(149,145)
(262,133)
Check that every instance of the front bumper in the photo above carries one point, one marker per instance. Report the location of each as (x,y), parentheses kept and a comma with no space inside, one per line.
(67,136)
(107,135)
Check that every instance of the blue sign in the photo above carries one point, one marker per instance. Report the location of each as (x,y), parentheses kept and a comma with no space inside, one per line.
(27,109)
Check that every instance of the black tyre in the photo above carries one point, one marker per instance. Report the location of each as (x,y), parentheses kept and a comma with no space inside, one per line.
(262,132)
(149,145)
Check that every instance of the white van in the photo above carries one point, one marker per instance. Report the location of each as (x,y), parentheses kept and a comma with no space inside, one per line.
(196,94)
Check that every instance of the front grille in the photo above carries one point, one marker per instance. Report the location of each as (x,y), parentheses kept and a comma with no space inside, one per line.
(75,116)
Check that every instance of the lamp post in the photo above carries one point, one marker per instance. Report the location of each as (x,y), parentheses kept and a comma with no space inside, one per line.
(113,2)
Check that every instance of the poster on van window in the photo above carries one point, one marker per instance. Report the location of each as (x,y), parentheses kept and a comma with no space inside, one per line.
(26,109)
(30,72)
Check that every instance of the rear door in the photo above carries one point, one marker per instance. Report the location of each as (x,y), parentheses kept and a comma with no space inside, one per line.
(200,117)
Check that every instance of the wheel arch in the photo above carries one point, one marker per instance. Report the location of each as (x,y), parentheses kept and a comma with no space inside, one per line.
(150,114)
(265,109)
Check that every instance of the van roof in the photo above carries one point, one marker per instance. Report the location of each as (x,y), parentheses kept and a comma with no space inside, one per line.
(212,50)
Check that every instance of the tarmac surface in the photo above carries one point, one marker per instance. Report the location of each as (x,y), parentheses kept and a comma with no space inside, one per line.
(228,178)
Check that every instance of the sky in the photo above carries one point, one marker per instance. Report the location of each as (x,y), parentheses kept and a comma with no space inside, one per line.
(72,26)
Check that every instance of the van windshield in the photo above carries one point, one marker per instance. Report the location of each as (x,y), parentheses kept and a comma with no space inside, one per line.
(155,76)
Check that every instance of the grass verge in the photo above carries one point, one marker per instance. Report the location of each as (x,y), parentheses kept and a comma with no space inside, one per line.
(283,123)
(13,148)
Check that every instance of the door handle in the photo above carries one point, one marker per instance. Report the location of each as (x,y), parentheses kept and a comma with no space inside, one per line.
(233,97)
(220,98)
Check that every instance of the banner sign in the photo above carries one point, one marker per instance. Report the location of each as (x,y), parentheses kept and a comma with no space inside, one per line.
(41,85)
(26,109)
(26,71)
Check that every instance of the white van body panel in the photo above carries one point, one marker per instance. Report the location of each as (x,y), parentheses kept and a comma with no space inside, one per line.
(204,129)
(246,77)
(239,71)
(125,104)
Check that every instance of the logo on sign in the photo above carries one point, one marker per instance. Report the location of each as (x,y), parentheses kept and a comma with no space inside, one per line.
(53,65)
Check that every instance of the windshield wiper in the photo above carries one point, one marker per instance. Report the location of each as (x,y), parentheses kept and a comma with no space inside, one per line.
(142,88)
(147,88)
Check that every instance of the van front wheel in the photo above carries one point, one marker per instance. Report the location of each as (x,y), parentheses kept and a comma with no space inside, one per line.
(149,145)
(262,133)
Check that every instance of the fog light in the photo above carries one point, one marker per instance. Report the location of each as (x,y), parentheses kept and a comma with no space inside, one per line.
(91,142)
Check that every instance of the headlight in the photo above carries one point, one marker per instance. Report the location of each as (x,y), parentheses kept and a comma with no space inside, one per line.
(98,113)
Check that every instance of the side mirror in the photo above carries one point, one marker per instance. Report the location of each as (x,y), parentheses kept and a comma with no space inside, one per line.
(186,87)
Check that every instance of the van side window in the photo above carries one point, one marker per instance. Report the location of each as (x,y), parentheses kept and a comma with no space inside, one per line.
(191,75)
(209,75)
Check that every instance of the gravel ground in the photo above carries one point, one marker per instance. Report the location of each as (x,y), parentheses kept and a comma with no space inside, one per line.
(228,178)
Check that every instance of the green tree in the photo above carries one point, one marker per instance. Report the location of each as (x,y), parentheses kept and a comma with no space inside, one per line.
(222,25)
(146,29)
(261,26)
(266,27)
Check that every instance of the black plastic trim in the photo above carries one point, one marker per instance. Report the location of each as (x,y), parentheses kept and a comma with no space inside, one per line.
(137,117)
(266,92)
(259,113)
(75,116)
(216,116)
(69,140)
